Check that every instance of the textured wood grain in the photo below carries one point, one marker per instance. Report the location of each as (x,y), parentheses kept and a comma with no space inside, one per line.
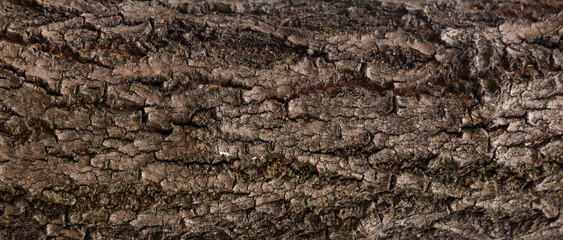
(176,119)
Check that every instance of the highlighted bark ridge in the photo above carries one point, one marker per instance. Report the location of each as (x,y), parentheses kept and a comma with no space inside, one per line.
(177,119)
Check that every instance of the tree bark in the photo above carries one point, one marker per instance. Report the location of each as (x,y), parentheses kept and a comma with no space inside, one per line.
(177,119)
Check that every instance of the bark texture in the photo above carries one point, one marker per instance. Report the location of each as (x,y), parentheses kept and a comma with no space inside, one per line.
(177,119)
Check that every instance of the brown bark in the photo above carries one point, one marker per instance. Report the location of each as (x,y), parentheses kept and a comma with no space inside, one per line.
(176,119)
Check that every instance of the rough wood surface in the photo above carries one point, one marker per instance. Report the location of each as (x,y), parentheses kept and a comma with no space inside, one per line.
(177,119)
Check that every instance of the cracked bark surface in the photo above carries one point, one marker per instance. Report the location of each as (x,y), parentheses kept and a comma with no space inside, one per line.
(176,119)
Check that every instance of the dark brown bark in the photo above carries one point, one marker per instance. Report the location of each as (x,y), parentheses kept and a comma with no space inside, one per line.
(176,119)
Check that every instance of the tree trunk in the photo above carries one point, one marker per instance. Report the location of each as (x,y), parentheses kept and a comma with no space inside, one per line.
(177,119)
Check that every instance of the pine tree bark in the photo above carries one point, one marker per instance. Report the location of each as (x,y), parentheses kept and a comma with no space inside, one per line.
(177,119)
